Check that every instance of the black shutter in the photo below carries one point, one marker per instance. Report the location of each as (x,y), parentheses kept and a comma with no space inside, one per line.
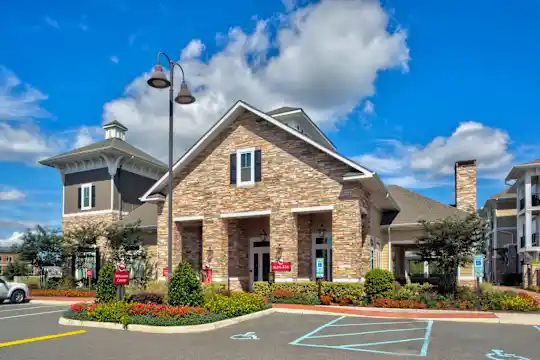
(258,172)
(93,195)
(79,199)
(232,167)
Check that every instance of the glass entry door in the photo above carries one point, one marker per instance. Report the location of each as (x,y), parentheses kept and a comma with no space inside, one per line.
(259,264)
(322,252)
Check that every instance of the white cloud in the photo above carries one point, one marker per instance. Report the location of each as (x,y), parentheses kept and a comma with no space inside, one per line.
(12,195)
(115,59)
(19,101)
(431,165)
(51,22)
(369,107)
(20,138)
(11,240)
(86,136)
(324,58)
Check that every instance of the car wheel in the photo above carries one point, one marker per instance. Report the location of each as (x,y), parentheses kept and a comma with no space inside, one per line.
(17,297)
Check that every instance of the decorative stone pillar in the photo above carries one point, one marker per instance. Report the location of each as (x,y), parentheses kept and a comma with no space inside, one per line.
(305,244)
(284,239)
(215,247)
(346,240)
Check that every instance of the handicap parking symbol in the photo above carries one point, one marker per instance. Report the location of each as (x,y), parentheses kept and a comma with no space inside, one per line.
(246,336)
(497,354)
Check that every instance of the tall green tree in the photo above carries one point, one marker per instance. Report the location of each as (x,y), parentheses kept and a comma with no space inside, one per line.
(15,268)
(41,247)
(450,243)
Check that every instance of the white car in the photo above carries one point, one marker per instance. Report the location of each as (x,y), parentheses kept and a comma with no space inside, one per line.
(16,293)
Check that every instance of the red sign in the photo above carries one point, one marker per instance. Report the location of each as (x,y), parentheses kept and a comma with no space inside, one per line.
(121,277)
(89,273)
(281,266)
(165,272)
(121,267)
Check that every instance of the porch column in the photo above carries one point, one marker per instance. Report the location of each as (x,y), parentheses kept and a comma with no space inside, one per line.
(284,237)
(238,250)
(305,244)
(528,214)
(215,244)
(346,241)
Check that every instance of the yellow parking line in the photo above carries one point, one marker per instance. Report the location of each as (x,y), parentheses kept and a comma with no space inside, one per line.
(41,338)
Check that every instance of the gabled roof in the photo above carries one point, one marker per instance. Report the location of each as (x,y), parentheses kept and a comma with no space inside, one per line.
(515,172)
(415,207)
(232,114)
(282,109)
(107,144)
(504,194)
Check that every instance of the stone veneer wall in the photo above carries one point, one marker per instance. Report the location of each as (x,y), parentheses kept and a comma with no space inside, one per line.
(294,174)
(465,185)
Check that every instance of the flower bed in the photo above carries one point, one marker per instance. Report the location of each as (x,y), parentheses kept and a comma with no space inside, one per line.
(62,293)
(219,307)
(142,314)
(307,293)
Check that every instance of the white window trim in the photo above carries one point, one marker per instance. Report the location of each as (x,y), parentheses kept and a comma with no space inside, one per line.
(239,153)
(89,187)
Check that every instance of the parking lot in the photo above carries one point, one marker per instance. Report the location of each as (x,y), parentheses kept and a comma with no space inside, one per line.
(31,331)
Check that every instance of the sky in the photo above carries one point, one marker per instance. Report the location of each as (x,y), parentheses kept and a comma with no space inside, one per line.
(405,88)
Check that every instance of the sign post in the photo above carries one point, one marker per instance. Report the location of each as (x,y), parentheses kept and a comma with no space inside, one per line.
(121,278)
(478,265)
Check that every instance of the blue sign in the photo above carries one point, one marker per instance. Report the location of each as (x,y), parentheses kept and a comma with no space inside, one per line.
(246,336)
(479,266)
(319,268)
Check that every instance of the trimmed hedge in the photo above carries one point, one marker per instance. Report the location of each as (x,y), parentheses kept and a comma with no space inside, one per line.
(236,304)
(379,283)
(337,292)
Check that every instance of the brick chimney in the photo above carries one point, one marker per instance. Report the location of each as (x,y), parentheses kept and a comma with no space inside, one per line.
(465,182)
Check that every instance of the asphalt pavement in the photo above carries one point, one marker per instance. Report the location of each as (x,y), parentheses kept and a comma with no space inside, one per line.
(28,332)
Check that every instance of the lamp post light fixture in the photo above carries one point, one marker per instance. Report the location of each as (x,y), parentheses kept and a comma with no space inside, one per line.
(158,80)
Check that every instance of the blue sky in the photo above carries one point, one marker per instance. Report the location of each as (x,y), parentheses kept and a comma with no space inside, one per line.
(406,88)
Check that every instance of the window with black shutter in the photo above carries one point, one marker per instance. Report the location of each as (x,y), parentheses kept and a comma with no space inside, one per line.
(87,196)
(232,168)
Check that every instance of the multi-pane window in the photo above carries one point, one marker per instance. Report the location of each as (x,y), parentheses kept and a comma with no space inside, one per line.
(86,196)
(245,167)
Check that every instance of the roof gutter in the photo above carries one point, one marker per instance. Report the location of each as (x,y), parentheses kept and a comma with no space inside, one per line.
(402,226)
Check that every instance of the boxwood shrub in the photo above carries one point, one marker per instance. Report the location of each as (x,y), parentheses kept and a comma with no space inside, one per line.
(236,304)
(379,283)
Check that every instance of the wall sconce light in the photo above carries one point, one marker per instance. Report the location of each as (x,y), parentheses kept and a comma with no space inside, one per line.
(264,236)
(322,230)
(209,255)
(279,252)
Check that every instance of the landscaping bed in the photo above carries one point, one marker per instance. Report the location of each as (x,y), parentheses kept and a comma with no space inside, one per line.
(381,291)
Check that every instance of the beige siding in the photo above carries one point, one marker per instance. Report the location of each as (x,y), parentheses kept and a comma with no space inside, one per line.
(506,212)
(102,181)
(400,235)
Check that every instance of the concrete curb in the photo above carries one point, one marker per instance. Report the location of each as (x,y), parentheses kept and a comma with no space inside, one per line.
(468,320)
(167,329)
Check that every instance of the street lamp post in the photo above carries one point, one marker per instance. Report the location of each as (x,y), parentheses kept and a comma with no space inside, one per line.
(158,80)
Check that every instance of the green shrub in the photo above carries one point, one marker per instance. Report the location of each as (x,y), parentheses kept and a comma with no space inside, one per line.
(284,296)
(105,289)
(379,283)
(518,303)
(414,291)
(184,287)
(236,304)
(112,312)
(146,298)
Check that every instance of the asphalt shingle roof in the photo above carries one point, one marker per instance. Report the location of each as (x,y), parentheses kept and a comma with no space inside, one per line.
(112,143)
(504,194)
(415,207)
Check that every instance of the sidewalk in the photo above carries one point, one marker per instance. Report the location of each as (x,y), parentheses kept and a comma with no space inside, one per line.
(59,300)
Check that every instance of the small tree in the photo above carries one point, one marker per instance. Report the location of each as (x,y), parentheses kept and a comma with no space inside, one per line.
(106,290)
(184,287)
(15,268)
(42,247)
(450,243)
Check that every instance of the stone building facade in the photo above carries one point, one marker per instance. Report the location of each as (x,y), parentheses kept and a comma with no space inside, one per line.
(301,195)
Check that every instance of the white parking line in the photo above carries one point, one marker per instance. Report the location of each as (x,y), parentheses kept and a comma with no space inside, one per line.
(32,314)
(27,308)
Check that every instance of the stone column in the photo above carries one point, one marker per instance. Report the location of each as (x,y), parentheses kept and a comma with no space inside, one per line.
(238,250)
(305,244)
(284,234)
(346,240)
(215,242)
